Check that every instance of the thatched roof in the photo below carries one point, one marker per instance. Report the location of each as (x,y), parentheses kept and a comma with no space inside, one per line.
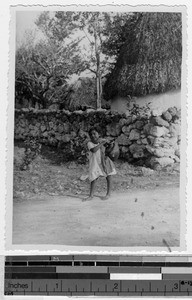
(150,59)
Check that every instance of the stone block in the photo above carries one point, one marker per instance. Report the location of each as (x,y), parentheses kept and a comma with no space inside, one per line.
(176,159)
(150,139)
(60,128)
(73,134)
(66,138)
(134,118)
(45,134)
(156,162)
(34,133)
(126,129)
(66,127)
(165,142)
(159,121)
(113,129)
(156,112)
(144,141)
(172,111)
(137,150)
(175,130)
(166,116)
(126,121)
(122,122)
(51,125)
(134,134)
(123,140)
(139,142)
(43,128)
(124,149)
(58,137)
(177,152)
(147,171)
(147,128)
(160,152)
(158,131)
(139,124)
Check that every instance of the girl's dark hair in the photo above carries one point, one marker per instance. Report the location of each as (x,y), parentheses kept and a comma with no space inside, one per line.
(94,129)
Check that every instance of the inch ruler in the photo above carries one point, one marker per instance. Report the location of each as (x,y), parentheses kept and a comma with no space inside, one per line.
(100,275)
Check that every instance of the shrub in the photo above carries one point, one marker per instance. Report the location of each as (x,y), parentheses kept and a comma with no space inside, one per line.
(32,150)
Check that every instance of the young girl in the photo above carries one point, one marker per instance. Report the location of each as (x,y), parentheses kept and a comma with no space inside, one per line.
(99,164)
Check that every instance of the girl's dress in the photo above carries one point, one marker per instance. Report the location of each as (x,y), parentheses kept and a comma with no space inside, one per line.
(99,164)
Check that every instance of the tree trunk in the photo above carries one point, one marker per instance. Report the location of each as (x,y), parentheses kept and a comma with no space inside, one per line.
(98,93)
(100,85)
(98,75)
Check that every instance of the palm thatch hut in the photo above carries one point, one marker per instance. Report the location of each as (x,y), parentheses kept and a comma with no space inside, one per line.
(149,61)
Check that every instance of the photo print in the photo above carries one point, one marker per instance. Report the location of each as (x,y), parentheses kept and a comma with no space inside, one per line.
(99,105)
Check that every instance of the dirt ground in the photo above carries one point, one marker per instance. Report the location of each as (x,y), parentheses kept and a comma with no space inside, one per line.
(144,209)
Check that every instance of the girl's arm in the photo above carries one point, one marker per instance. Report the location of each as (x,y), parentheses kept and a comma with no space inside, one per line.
(94,149)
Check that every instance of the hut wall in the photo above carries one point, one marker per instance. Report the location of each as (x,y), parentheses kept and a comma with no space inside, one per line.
(144,137)
(161,101)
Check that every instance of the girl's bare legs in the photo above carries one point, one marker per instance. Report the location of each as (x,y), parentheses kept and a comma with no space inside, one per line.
(92,189)
(109,182)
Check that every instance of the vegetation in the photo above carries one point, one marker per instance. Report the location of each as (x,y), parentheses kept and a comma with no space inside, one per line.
(43,68)
(138,54)
(32,150)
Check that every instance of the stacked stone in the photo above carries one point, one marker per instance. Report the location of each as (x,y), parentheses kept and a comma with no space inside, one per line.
(152,140)
(165,136)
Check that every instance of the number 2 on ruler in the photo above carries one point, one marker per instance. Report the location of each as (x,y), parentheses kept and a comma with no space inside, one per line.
(115,286)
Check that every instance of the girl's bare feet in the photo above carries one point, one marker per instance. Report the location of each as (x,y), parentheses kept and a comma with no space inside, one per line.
(88,198)
(106,197)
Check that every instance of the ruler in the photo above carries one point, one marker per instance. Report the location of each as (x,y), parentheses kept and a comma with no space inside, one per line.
(100,275)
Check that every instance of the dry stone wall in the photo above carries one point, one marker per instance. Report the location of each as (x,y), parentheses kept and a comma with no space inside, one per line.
(147,139)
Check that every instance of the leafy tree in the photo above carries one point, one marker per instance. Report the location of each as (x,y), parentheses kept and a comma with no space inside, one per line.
(42,70)
(92,27)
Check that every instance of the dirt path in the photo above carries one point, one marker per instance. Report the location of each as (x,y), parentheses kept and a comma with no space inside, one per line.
(132,218)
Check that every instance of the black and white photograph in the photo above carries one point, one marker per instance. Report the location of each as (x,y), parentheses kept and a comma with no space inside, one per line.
(99,135)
